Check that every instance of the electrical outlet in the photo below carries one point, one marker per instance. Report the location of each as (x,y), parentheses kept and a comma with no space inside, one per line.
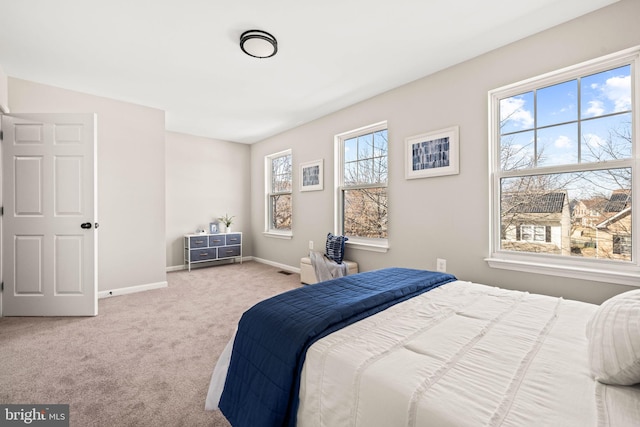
(310,244)
(441,265)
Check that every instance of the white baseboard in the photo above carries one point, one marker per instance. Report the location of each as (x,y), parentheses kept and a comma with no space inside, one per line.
(278,265)
(184,267)
(131,289)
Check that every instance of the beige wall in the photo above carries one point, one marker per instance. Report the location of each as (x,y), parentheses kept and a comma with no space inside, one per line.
(131,180)
(205,179)
(442,217)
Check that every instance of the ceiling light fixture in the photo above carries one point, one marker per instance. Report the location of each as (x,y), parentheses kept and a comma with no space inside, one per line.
(258,44)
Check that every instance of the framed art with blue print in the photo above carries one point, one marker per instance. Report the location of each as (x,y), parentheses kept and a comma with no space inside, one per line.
(432,154)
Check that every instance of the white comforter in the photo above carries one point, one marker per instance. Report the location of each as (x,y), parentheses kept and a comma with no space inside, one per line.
(463,355)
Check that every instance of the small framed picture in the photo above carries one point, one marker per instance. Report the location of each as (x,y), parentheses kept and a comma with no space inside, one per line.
(213,228)
(311,175)
(432,154)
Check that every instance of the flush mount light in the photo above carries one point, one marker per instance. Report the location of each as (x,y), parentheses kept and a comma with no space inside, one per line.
(258,44)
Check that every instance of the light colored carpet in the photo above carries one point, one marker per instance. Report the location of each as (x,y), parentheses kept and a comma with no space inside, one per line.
(146,359)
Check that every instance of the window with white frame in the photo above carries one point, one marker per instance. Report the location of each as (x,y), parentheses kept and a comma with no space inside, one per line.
(278,179)
(559,143)
(361,186)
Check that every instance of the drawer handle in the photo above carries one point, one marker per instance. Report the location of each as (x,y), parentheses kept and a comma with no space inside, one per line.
(229,251)
(199,241)
(204,255)
(217,241)
(233,240)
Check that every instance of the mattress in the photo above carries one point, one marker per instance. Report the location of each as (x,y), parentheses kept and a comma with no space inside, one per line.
(462,354)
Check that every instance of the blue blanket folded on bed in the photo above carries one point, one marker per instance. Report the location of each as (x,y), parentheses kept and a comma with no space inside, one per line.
(263,380)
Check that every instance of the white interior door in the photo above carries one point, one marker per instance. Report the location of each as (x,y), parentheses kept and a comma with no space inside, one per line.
(49,248)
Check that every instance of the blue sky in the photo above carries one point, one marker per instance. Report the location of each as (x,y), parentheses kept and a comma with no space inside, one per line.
(557,107)
(600,102)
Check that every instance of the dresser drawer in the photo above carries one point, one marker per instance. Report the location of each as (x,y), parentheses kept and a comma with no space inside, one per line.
(228,251)
(234,239)
(198,241)
(203,254)
(217,240)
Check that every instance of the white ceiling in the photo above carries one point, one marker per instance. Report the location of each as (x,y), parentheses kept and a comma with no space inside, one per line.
(183,56)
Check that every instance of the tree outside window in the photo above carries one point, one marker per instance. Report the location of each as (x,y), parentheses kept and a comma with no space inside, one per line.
(279,179)
(362,182)
(564,162)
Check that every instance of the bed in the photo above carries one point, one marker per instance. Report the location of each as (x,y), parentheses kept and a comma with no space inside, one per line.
(418,348)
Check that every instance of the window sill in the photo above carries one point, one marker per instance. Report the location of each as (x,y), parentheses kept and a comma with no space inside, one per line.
(628,275)
(278,234)
(372,245)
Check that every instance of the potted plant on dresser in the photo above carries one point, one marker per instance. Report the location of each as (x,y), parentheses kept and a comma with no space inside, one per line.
(227,221)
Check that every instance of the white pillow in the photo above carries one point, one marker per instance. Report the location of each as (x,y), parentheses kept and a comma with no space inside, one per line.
(614,340)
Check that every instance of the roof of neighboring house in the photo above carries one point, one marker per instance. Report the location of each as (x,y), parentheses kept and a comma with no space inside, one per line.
(617,217)
(619,201)
(552,202)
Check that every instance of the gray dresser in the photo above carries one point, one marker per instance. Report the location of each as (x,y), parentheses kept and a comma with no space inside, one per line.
(212,247)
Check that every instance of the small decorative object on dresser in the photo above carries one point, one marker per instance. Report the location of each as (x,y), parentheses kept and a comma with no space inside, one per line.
(227,221)
(212,247)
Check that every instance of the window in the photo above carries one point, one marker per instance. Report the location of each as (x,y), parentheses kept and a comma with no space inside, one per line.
(361,180)
(278,181)
(622,245)
(533,233)
(562,172)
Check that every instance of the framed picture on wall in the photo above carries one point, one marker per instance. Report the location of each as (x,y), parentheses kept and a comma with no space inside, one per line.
(311,175)
(432,154)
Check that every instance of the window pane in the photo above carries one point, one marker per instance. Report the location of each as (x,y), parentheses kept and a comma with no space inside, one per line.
(380,169)
(282,183)
(365,146)
(516,113)
(351,173)
(557,104)
(351,150)
(380,143)
(365,212)
(517,151)
(280,211)
(558,145)
(580,214)
(367,172)
(281,174)
(606,138)
(607,92)
(370,164)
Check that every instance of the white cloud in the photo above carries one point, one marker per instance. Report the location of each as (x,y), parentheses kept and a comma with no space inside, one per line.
(596,108)
(512,109)
(618,91)
(594,140)
(563,142)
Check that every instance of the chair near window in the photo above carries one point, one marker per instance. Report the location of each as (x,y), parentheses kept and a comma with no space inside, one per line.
(334,250)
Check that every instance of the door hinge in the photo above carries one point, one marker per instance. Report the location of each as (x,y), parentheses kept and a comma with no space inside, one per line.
(1,135)
(1,286)
(1,210)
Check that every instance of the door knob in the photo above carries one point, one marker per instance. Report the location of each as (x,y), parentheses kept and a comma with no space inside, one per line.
(85,225)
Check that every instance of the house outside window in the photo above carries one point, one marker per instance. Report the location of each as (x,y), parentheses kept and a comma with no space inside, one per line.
(562,160)
(361,186)
(278,204)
